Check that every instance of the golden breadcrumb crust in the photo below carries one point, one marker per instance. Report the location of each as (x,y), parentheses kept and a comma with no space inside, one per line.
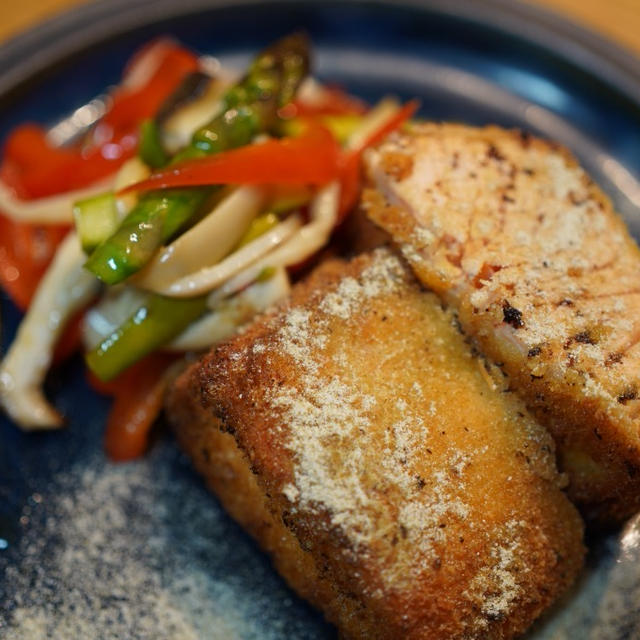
(396,486)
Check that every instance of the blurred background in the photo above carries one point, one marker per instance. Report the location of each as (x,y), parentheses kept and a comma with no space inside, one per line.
(617,19)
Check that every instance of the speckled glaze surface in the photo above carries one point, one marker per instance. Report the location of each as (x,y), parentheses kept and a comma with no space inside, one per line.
(89,549)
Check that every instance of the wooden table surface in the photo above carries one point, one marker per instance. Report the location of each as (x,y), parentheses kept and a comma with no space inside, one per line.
(617,19)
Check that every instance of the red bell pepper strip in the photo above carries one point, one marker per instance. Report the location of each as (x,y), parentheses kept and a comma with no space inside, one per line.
(34,168)
(25,253)
(70,341)
(138,395)
(312,158)
(350,175)
(399,118)
(132,106)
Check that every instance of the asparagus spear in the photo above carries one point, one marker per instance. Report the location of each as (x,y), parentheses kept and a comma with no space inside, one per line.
(153,324)
(249,107)
(150,147)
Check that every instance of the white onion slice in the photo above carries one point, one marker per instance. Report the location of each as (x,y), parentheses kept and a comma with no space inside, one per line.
(116,306)
(56,209)
(205,243)
(65,288)
(233,313)
(309,239)
(208,278)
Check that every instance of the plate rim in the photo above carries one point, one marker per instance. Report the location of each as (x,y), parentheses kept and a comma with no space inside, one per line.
(50,42)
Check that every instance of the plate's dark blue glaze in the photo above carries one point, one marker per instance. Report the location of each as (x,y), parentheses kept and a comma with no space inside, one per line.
(462,66)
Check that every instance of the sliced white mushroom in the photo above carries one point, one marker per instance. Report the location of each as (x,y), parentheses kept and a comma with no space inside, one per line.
(205,243)
(233,313)
(65,288)
(206,279)
(304,243)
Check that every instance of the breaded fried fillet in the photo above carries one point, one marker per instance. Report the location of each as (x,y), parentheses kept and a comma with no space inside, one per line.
(543,275)
(354,434)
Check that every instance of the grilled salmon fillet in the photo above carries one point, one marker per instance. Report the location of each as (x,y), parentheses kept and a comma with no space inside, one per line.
(511,233)
(359,440)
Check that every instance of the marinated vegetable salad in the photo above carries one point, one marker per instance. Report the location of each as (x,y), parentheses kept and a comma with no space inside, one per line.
(170,221)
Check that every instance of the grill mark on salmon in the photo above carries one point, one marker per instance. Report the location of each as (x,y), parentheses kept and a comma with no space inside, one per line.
(515,220)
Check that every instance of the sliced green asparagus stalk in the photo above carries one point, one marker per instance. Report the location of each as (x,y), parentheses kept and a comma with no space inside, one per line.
(153,324)
(224,321)
(95,218)
(248,108)
(156,218)
(150,148)
(206,242)
(251,105)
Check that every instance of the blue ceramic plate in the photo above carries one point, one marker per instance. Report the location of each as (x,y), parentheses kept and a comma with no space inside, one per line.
(93,550)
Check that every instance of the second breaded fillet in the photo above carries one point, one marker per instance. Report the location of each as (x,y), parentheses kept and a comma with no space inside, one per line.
(543,274)
(354,434)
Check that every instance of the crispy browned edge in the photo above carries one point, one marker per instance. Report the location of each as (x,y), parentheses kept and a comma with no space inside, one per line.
(608,496)
(207,437)
(206,431)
